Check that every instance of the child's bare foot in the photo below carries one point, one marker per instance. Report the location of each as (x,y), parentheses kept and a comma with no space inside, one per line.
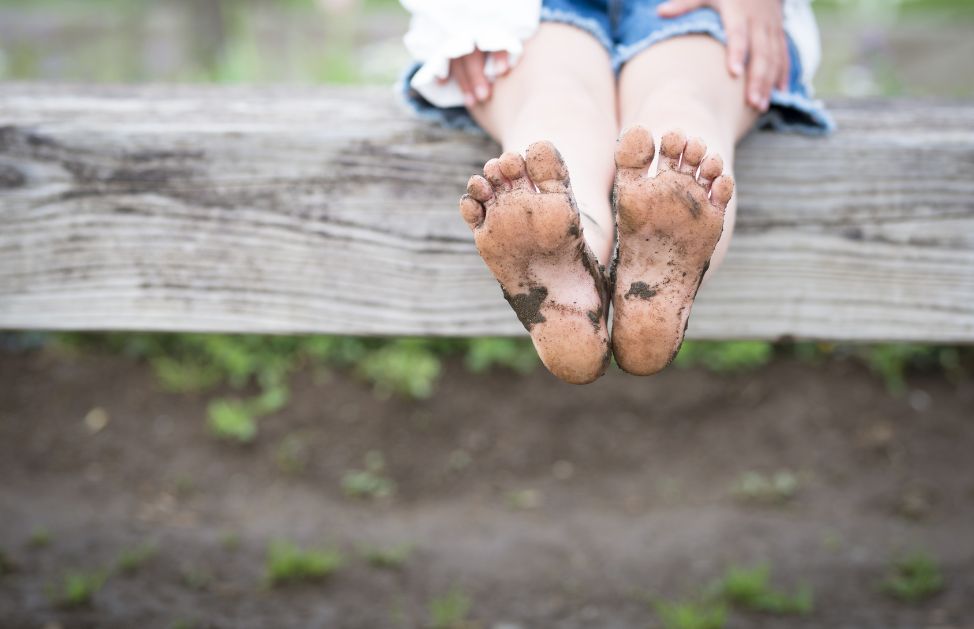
(668,226)
(531,239)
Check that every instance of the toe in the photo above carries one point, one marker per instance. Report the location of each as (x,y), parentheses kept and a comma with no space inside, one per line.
(472,211)
(546,167)
(722,191)
(479,189)
(492,171)
(512,167)
(710,169)
(670,148)
(634,153)
(692,155)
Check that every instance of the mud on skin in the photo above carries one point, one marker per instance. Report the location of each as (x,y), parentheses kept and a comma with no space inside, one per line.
(667,228)
(526,226)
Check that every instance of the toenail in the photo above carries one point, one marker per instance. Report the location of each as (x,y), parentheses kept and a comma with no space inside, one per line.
(482,92)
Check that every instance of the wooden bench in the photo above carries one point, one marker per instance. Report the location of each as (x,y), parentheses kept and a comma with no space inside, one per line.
(332,210)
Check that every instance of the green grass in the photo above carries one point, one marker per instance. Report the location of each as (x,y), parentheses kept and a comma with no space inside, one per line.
(768,489)
(286,563)
(450,611)
(131,559)
(387,557)
(369,483)
(7,565)
(750,589)
(39,538)
(914,578)
(229,540)
(76,588)
(725,357)
(196,577)
(691,614)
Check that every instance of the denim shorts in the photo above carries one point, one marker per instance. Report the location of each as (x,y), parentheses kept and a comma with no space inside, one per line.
(627,27)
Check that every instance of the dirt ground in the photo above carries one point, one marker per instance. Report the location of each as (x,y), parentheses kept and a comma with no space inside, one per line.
(548,505)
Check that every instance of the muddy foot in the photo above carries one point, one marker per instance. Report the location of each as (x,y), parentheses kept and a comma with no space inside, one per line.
(527,229)
(668,227)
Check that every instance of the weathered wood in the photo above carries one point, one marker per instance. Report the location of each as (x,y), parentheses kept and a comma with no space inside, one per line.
(332,210)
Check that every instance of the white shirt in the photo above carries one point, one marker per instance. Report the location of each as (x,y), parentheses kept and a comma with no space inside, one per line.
(441,30)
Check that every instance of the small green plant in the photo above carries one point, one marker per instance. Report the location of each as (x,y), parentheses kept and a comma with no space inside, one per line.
(77,588)
(7,564)
(231,420)
(390,557)
(229,540)
(914,578)
(286,563)
(371,482)
(131,559)
(183,623)
(691,614)
(524,499)
(725,357)
(750,589)
(404,366)
(516,354)
(450,611)
(39,538)
(769,489)
(292,454)
(196,577)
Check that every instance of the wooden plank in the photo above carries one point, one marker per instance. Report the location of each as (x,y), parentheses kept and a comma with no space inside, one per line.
(332,210)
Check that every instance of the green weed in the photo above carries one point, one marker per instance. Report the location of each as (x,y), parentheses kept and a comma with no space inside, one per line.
(229,540)
(749,588)
(77,588)
(130,560)
(769,489)
(390,557)
(517,355)
(371,482)
(450,611)
(405,366)
(691,614)
(196,577)
(7,565)
(287,563)
(39,538)
(914,578)
(292,454)
(725,357)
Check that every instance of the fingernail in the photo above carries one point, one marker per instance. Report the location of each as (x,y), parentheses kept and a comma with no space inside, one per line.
(482,92)
(737,68)
(468,99)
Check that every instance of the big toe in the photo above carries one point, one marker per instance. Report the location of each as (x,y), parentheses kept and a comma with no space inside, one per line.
(634,151)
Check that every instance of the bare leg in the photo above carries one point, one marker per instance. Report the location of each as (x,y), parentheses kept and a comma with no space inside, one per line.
(569,100)
(542,236)
(675,223)
(683,83)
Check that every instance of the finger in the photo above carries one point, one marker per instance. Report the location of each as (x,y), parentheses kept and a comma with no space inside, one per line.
(737,43)
(502,62)
(759,70)
(673,8)
(460,74)
(474,64)
(784,74)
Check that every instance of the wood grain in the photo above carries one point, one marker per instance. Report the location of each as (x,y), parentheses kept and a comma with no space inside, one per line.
(332,210)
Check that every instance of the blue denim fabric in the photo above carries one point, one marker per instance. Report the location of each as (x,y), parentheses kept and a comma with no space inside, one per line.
(627,27)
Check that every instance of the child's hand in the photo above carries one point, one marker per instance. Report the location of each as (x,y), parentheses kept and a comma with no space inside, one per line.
(754,34)
(468,70)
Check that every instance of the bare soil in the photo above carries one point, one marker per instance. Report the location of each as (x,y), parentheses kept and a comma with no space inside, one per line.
(548,505)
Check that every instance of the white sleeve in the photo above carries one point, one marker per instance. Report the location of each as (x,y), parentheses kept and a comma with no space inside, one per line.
(441,30)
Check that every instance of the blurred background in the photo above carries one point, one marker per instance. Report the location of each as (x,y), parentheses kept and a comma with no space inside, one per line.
(199,480)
